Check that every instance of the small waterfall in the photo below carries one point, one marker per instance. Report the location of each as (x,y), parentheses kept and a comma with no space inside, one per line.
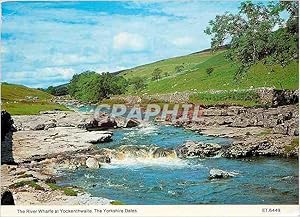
(138,152)
(135,156)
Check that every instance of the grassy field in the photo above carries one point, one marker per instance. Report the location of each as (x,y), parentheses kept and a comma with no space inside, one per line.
(194,76)
(21,100)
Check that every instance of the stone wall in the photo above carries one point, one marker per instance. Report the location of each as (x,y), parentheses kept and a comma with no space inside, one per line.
(267,96)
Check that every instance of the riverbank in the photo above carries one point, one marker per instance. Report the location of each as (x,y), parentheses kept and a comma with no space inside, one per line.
(256,131)
(36,147)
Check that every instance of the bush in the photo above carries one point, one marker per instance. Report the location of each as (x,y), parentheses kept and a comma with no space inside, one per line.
(138,83)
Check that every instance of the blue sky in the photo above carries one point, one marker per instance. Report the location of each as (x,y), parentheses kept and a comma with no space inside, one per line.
(46,43)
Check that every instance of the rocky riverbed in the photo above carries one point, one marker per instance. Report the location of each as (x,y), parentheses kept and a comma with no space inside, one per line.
(36,147)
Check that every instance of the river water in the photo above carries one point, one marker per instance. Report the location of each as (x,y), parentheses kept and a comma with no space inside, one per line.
(169,180)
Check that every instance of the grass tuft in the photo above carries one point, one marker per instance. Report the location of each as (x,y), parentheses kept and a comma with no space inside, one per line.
(30,183)
(294,144)
(117,202)
(67,190)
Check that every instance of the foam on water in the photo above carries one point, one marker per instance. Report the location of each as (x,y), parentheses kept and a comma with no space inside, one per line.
(137,163)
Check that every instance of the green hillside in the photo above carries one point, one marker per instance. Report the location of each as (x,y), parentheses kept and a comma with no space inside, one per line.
(20,92)
(21,100)
(194,76)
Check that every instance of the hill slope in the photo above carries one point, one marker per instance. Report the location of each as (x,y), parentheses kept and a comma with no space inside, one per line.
(193,74)
(21,100)
(19,92)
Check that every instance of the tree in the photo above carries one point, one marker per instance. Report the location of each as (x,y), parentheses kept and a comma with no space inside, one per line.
(57,90)
(209,70)
(138,83)
(51,90)
(250,34)
(156,74)
(90,86)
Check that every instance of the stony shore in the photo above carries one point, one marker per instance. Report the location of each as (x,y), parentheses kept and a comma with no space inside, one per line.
(37,146)
(256,131)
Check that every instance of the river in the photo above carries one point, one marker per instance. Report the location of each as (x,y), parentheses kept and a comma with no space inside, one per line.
(169,180)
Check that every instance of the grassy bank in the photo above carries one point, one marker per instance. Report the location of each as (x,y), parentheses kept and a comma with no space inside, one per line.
(30,108)
(21,100)
(193,75)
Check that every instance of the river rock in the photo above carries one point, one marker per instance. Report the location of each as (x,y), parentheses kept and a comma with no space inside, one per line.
(100,138)
(59,118)
(272,145)
(197,149)
(92,163)
(131,123)
(163,152)
(220,174)
(103,123)
(37,145)
(39,127)
(49,125)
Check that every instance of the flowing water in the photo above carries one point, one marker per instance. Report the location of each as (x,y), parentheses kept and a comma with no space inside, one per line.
(141,173)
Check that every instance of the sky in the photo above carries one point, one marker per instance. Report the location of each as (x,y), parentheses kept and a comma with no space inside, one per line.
(46,43)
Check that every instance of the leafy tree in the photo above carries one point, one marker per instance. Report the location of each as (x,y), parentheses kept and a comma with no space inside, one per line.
(138,83)
(156,74)
(209,70)
(251,36)
(90,86)
(57,90)
(51,90)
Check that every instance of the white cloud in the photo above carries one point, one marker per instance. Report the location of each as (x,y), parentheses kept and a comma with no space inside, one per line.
(183,41)
(63,73)
(43,74)
(128,41)
(54,43)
